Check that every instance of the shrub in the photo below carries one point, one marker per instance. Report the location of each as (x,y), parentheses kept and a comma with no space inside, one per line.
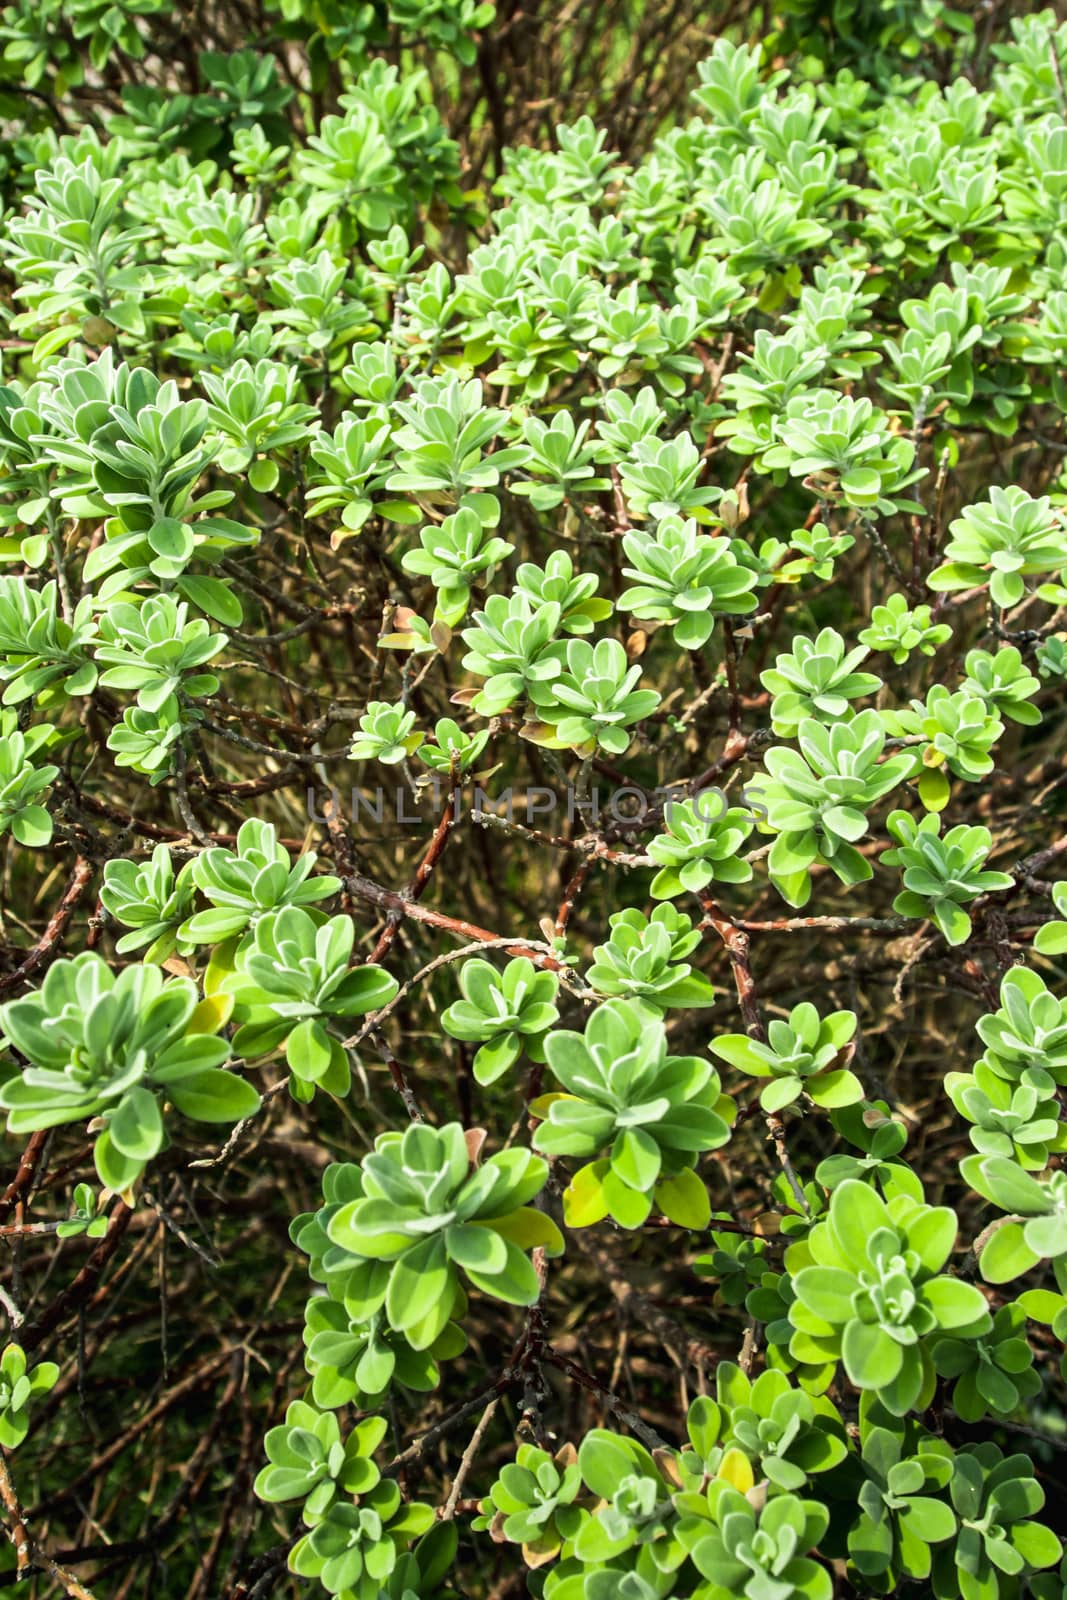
(532,629)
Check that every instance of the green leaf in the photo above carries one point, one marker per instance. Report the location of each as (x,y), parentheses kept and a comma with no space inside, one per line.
(827,1291)
(629,1207)
(214,598)
(1012,1189)
(635,1157)
(1006,1255)
(955,1304)
(115,1171)
(418,1284)
(606,1460)
(780,1092)
(871,1357)
(212,1095)
(857,1213)
(516,1282)
(927,1519)
(32,826)
(1051,940)
(136,1126)
(833,1089)
(495,1058)
(739,1051)
(476,1249)
(309,1051)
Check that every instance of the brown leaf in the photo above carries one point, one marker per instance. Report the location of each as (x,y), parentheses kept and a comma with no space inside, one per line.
(757,1495)
(496,1528)
(475,1138)
(536,1555)
(668,1465)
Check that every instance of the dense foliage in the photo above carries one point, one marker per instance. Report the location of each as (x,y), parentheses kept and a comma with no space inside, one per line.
(533,631)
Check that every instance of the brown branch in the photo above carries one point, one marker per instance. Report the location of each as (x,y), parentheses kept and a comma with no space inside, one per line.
(388,899)
(26,1174)
(48,943)
(19,1537)
(28,1553)
(468,1458)
(425,869)
(736,942)
(78,1291)
(626,1415)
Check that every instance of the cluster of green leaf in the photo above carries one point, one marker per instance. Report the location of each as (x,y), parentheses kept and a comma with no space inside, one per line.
(389,1244)
(561,456)
(768,1475)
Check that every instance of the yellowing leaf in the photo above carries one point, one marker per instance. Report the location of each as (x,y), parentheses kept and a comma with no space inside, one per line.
(529,1228)
(540,1107)
(583,1200)
(220,967)
(736,1469)
(213,1013)
(934,789)
(542,733)
(684,1200)
(546,1549)
(726,1109)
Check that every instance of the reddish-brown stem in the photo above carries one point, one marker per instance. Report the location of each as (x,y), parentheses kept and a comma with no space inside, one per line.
(24,1177)
(48,943)
(425,869)
(736,942)
(574,887)
(388,899)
